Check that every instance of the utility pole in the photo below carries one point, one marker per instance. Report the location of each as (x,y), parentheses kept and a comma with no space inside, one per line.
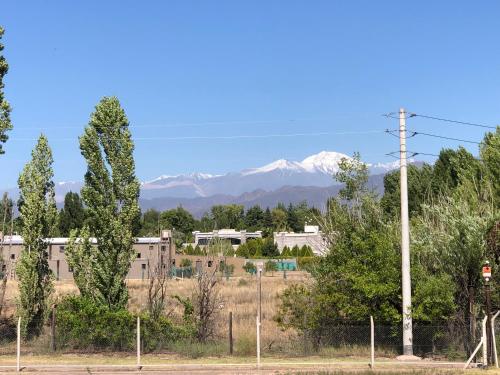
(487,295)
(405,239)
(259,289)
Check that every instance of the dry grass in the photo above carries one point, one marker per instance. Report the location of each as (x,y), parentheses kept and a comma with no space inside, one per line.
(239,295)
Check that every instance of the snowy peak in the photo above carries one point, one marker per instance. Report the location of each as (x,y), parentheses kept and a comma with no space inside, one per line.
(324,162)
(280,164)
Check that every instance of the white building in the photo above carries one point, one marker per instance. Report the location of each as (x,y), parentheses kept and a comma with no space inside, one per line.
(235,237)
(311,236)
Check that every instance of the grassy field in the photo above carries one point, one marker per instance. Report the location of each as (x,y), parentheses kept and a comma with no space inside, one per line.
(239,296)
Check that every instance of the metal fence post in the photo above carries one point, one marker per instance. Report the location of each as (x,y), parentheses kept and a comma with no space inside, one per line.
(495,354)
(485,342)
(258,341)
(231,333)
(18,344)
(53,329)
(138,342)
(372,342)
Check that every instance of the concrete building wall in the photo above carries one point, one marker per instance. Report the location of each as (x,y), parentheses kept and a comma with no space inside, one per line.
(150,253)
(311,237)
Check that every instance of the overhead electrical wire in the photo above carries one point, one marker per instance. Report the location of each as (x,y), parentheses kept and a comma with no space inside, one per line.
(451,121)
(277,135)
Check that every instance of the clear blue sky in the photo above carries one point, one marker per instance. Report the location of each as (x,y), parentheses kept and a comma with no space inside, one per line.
(211,68)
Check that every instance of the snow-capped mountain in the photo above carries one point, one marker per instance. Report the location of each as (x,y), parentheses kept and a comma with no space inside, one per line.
(315,170)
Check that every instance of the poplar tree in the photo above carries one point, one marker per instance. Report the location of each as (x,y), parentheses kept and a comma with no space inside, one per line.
(38,213)
(110,194)
(5,123)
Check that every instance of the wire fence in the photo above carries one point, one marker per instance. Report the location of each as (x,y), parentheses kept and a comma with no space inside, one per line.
(129,338)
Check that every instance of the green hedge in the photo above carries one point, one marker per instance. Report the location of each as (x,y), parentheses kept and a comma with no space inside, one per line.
(83,325)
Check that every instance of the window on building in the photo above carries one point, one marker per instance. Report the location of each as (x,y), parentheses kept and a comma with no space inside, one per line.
(163,247)
(4,267)
(70,269)
(12,256)
(210,263)
(61,249)
(151,247)
(138,255)
(143,266)
(173,262)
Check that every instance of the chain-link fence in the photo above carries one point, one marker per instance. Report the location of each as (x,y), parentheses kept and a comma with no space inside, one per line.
(123,338)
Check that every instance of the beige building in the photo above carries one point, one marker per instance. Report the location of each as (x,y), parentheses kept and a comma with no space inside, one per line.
(235,237)
(151,252)
(311,236)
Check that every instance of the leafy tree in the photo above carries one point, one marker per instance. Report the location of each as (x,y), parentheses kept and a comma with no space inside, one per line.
(186,262)
(254,218)
(243,251)
(450,168)
(286,252)
(110,193)
(295,251)
(72,215)
(180,220)
(419,190)
(292,219)
(271,266)
(150,225)
(6,211)
(267,223)
(306,251)
(228,216)
(490,156)
(39,214)
(250,267)
(5,123)
(189,250)
(197,250)
(353,173)
(269,248)
(280,219)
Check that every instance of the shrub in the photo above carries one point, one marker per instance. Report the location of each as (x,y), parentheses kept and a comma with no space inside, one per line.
(82,324)
(186,262)
(306,263)
(250,268)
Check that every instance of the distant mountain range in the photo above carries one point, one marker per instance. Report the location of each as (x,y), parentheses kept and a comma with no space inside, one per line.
(280,181)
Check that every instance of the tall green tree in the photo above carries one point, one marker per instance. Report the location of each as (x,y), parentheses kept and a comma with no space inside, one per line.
(228,216)
(72,215)
(5,123)
(110,193)
(419,190)
(39,215)
(150,224)
(254,218)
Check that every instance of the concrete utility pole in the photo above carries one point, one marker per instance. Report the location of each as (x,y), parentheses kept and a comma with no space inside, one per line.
(405,240)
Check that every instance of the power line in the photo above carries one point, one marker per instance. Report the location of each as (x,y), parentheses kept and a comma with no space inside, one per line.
(443,137)
(256,136)
(452,121)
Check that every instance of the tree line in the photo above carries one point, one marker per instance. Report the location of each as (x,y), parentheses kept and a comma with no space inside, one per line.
(455,222)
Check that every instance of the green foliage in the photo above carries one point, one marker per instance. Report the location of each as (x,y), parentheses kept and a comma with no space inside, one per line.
(38,214)
(5,122)
(353,173)
(226,269)
(83,324)
(307,262)
(72,215)
(254,218)
(181,221)
(490,156)
(270,266)
(110,193)
(186,262)
(419,190)
(228,216)
(269,248)
(286,252)
(306,251)
(150,223)
(250,268)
